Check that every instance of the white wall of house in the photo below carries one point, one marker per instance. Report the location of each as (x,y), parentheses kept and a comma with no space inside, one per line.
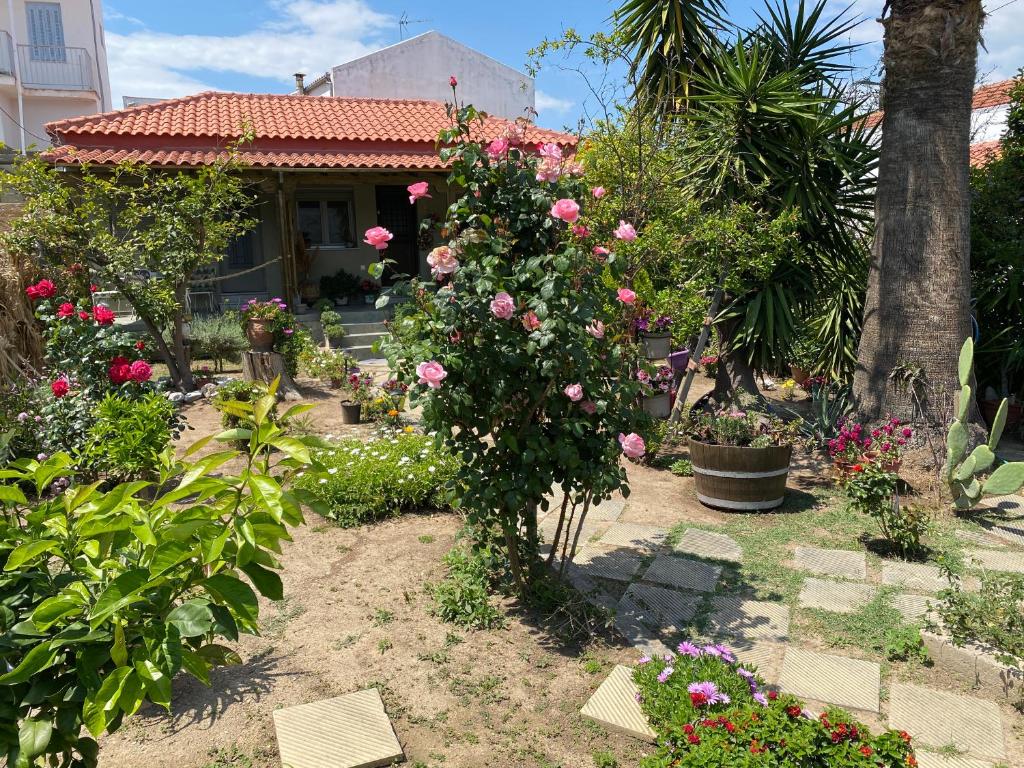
(989,124)
(58,48)
(419,68)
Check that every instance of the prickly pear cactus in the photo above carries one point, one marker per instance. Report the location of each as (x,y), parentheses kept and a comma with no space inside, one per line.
(964,471)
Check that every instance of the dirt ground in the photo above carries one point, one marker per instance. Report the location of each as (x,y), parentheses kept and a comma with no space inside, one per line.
(356,614)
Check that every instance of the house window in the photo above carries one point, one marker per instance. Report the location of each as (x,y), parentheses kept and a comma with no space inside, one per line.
(45,32)
(326,220)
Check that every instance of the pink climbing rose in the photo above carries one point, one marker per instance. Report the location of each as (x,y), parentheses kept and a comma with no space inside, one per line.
(497,148)
(550,166)
(626,296)
(530,321)
(503,306)
(596,329)
(566,210)
(378,237)
(632,445)
(600,250)
(431,373)
(442,261)
(418,190)
(598,192)
(574,392)
(625,231)
(452,81)
(588,406)
(581,230)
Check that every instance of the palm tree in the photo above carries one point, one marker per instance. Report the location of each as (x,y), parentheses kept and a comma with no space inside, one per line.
(917,311)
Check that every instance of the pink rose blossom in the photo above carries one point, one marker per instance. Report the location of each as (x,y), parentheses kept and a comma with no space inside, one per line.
(431,373)
(596,329)
(626,296)
(598,192)
(498,148)
(600,250)
(503,306)
(574,392)
(550,166)
(587,406)
(566,210)
(581,230)
(632,445)
(625,231)
(418,190)
(530,321)
(442,261)
(515,133)
(452,81)
(140,371)
(378,237)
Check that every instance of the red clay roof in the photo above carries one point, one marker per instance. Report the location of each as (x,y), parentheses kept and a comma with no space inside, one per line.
(984,151)
(289,131)
(985,96)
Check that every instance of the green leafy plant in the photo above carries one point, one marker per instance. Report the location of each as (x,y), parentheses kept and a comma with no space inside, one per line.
(330,365)
(905,644)
(238,390)
(965,473)
(681,468)
(129,436)
(106,596)
(330,321)
(218,338)
(340,285)
(383,477)
(463,596)
(872,490)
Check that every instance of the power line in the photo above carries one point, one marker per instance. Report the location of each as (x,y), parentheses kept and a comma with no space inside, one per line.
(26,130)
(1011,2)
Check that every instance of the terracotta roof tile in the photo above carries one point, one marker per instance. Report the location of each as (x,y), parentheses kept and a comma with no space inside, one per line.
(984,151)
(985,96)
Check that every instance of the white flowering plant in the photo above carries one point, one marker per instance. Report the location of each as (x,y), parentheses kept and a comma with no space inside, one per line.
(382,477)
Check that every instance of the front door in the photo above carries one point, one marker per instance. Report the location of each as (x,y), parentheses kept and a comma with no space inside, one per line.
(398,216)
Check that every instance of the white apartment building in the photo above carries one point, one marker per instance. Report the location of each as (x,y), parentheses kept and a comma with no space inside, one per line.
(53,65)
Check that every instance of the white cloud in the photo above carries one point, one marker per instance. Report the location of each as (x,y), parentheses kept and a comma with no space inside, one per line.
(1005,47)
(546,103)
(307,36)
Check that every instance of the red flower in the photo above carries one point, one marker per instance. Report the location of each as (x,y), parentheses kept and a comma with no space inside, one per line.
(59,387)
(905,736)
(140,371)
(103,315)
(93,288)
(793,711)
(687,728)
(120,370)
(66,310)
(452,81)
(866,751)
(140,345)
(44,289)
(693,738)
(858,467)
(730,727)
(83,315)
(773,695)
(911,761)
(698,699)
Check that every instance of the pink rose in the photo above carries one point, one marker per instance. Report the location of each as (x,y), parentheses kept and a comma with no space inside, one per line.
(497,148)
(530,321)
(600,250)
(632,445)
(417,190)
(515,133)
(625,231)
(503,306)
(140,371)
(598,192)
(626,296)
(596,329)
(566,210)
(587,406)
(378,237)
(442,261)
(431,373)
(550,166)
(452,81)
(581,230)
(574,392)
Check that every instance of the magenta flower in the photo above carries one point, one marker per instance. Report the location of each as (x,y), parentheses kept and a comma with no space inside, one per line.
(574,392)
(707,692)
(566,210)
(378,237)
(645,659)
(665,674)
(686,648)
(598,192)
(418,190)
(626,296)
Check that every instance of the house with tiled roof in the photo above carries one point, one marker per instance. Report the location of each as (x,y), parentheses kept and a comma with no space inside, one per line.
(990,109)
(326,169)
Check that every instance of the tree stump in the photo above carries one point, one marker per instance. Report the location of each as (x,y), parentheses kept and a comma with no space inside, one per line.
(267,366)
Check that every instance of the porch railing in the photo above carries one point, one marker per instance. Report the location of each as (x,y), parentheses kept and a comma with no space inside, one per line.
(55,66)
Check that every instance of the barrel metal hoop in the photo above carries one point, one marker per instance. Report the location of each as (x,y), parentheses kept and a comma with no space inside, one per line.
(739,475)
(731,504)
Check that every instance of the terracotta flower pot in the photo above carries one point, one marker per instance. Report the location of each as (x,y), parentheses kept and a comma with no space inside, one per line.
(260,337)
(351,413)
(799,374)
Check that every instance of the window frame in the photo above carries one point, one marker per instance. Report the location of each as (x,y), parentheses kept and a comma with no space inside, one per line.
(323,198)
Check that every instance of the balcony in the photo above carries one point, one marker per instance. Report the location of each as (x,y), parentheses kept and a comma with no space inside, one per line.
(55,67)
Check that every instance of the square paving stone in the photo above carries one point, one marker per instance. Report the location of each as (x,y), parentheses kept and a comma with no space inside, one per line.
(714,546)
(748,619)
(832,562)
(937,719)
(593,594)
(608,510)
(835,596)
(683,573)
(607,562)
(646,538)
(547,530)
(993,560)
(658,607)
(350,731)
(833,679)
(917,577)
(913,607)
(935,760)
(614,706)
(765,656)
(976,537)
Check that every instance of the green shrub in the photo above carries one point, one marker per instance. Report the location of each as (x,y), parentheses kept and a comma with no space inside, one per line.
(107,596)
(905,643)
(322,305)
(128,437)
(682,468)
(339,285)
(605,760)
(709,711)
(238,391)
(219,338)
(330,321)
(463,597)
(873,491)
(383,477)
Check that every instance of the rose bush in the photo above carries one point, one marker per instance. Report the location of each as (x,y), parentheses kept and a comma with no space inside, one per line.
(516,359)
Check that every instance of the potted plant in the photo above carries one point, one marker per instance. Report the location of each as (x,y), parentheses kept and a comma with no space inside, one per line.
(710,365)
(266,323)
(655,335)
(396,390)
(358,386)
(803,358)
(339,287)
(330,323)
(369,289)
(657,386)
(740,458)
(328,365)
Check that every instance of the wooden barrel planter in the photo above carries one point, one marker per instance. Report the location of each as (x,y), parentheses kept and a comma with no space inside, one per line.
(740,479)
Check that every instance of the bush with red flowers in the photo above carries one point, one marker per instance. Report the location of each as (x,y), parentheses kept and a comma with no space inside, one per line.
(709,710)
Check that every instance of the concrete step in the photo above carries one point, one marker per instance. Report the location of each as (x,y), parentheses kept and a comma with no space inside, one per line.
(356,328)
(364,352)
(354,340)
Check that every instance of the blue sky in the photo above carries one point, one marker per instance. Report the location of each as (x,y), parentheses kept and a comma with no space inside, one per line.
(176,48)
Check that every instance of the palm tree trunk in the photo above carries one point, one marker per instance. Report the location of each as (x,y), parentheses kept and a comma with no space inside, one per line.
(917,306)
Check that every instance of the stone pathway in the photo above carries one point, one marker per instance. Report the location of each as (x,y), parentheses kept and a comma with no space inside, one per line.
(665,588)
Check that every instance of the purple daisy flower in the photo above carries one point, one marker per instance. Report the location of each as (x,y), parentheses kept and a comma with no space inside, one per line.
(709,691)
(721,652)
(688,649)
(665,673)
(746,674)
(669,658)
(645,659)
(760,699)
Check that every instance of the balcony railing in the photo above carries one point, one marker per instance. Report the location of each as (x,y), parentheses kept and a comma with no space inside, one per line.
(6,53)
(55,66)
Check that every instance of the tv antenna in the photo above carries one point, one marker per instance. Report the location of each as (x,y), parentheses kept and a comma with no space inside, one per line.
(404,21)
